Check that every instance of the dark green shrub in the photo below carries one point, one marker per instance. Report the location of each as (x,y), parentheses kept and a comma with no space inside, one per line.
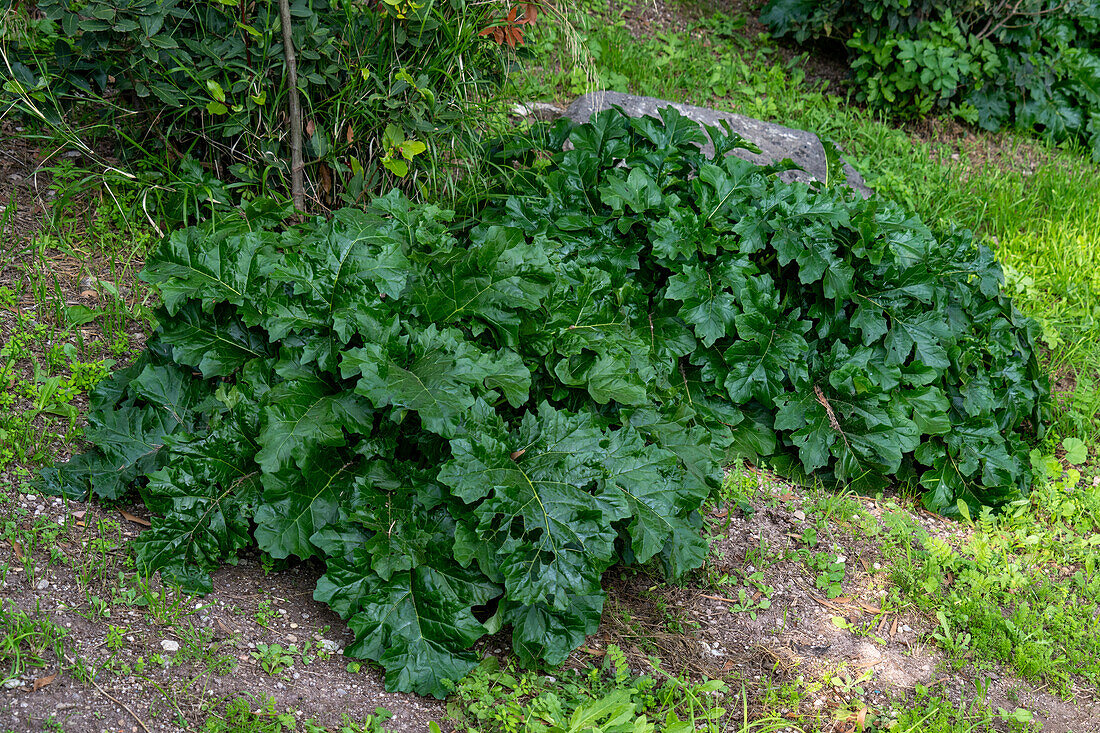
(389,89)
(1034,63)
(470,421)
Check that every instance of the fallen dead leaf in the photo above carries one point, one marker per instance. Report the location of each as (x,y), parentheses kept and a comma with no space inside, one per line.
(136,520)
(43,681)
(718,598)
(827,604)
(15,546)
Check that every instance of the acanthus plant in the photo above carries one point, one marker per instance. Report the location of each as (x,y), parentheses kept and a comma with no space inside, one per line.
(470,421)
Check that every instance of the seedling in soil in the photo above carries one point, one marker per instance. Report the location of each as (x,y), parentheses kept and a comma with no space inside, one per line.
(750,604)
(265,614)
(274,658)
(830,572)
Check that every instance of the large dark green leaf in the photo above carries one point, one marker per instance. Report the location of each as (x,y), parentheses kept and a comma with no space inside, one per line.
(215,343)
(439,381)
(499,277)
(301,500)
(205,497)
(131,443)
(304,415)
(417,622)
(338,273)
(543,509)
(214,266)
(659,496)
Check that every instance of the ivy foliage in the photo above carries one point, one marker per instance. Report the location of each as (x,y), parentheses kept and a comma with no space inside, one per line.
(470,421)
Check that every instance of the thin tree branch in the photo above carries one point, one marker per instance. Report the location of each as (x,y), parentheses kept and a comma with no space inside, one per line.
(297,189)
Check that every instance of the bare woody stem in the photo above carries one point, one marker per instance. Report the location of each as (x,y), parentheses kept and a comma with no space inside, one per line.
(297,189)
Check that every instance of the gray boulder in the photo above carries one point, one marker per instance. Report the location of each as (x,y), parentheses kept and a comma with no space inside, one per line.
(776,142)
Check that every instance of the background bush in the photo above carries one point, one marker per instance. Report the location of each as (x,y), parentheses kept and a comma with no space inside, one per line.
(1034,63)
(391,89)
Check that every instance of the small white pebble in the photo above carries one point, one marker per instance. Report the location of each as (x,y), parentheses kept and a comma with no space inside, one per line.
(170,646)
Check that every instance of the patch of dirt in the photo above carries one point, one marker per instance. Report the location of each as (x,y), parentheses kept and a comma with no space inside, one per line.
(803,635)
(18,163)
(193,651)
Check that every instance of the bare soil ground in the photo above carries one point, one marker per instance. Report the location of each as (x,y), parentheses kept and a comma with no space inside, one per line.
(804,637)
(195,651)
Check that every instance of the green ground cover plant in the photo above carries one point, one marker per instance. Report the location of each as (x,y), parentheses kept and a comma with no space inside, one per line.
(605,699)
(247,715)
(1031,203)
(1020,588)
(470,421)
